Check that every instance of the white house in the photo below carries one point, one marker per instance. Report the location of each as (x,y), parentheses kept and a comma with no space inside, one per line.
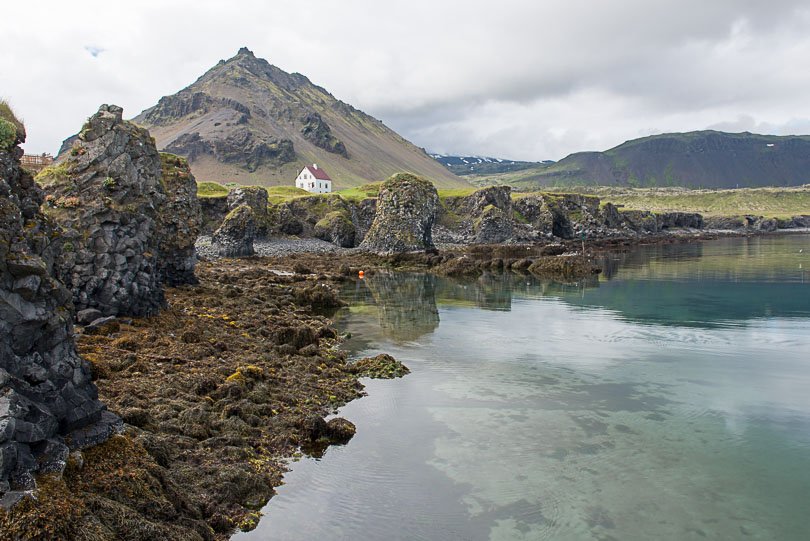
(314,180)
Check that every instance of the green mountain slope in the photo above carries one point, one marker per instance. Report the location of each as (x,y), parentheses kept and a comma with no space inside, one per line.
(249,122)
(707,159)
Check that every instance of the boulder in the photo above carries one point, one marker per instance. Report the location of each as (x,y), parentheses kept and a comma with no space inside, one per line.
(337,228)
(214,210)
(492,208)
(801,221)
(406,210)
(235,236)
(46,395)
(545,215)
(253,196)
(256,198)
(641,221)
(611,217)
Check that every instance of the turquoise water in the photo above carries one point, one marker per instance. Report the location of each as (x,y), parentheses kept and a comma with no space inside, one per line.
(668,398)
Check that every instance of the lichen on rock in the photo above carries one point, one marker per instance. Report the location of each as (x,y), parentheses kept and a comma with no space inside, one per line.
(406,210)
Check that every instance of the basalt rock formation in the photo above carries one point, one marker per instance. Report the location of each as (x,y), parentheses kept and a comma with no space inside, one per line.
(179,222)
(47,401)
(130,220)
(406,210)
(234,238)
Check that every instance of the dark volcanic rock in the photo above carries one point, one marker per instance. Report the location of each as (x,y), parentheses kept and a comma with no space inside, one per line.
(108,204)
(235,236)
(406,210)
(253,196)
(179,222)
(332,219)
(667,220)
(493,208)
(640,220)
(214,210)
(241,146)
(130,218)
(45,388)
(800,221)
(336,228)
(318,132)
(170,108)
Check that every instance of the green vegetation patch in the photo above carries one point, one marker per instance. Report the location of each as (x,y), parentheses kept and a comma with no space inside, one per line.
(54,175)
(358,193)
(8,134)
(11,128)
(211,189)
(770,202)
(444,193)
(335,216)
(281,194)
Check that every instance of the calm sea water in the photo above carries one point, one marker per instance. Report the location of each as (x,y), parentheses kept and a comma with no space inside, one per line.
(669,398)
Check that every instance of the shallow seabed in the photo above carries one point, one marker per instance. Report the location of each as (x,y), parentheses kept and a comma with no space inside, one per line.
(667,399)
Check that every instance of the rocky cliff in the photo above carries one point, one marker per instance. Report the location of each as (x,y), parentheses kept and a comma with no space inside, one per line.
(48,404)
(130,218)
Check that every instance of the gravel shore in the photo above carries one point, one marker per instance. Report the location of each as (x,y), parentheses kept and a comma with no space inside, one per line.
(275,247)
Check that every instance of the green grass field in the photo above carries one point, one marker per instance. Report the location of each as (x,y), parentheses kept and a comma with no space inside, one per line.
(768,202)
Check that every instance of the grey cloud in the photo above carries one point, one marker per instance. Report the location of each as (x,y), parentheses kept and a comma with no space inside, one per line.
(527,80)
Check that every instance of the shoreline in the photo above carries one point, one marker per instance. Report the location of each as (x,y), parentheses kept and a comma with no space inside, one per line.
(230,381)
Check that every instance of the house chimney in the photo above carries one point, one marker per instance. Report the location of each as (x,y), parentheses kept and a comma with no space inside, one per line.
(314,165)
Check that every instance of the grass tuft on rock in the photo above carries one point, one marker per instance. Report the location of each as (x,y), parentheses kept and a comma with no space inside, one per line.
(11,128)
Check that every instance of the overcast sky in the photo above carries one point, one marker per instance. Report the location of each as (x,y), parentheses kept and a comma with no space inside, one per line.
(528,80)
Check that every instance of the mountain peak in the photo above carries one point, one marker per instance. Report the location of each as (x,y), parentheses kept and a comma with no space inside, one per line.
(250,122)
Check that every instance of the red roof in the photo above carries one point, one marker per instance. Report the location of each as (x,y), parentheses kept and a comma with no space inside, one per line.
(319,174)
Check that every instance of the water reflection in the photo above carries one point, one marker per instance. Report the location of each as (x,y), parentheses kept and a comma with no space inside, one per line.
(699,284)
(405,303)
(665,399)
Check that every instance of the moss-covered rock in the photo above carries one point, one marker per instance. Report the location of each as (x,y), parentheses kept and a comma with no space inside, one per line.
(336,227)
(235,236)
(406,210)
(382,366)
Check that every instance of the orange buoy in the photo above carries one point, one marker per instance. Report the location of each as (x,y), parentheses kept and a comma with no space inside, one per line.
(361,274)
